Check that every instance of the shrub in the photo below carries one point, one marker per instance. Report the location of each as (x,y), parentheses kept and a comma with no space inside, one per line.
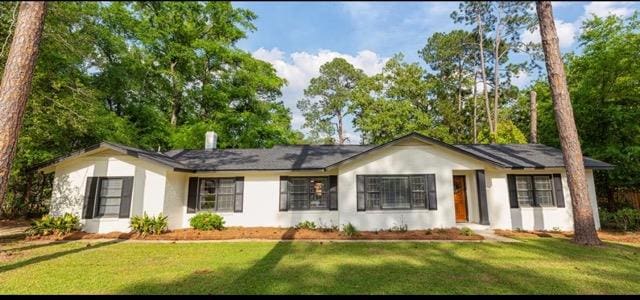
(623,219)
(149,225)
(627,219)
(349,229)
(556,229)
(466,231)
(55,225)
(207,221)
(306,225)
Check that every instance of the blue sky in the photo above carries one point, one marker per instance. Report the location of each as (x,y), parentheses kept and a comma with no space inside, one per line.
(298,37)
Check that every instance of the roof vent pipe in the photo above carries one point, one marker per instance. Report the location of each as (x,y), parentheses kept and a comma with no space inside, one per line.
(210,140)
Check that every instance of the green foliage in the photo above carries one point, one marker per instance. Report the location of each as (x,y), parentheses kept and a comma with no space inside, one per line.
(393,103)
(507,133)
(466,231)
(149,225)
(129,73)
(328,98)
(58,225)
(306,225)
(207,221)
(349,230)
(625,219)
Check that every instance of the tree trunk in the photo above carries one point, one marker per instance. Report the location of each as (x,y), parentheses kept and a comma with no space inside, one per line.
(584,225)
(176,106)
(533,118)
(341,138)
(460,85)
(484,74)
(16,83)
(475,107)
(496,75)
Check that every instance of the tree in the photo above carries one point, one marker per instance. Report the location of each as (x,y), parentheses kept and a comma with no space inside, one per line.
(451,55)
(394,103)
(533,118)
(16,83)
(328,98)
(478,14)
(97,80)
(506,20)
(584,225)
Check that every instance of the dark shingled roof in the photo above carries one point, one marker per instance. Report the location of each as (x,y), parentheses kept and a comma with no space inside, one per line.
(313,157)
(303,157)
(526,155)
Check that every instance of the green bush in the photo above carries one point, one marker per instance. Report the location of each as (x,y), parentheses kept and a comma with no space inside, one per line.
(55,225)
(466,231)
(349,229)
(149,225)
(207,221)
(625,219)
(306,225)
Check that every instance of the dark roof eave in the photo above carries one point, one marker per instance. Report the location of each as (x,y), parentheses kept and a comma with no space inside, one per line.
(245,170)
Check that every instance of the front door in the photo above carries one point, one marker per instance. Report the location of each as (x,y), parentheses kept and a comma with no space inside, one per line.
(460,198)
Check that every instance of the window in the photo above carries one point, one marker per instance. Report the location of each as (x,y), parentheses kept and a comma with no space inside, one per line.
(534,190)
(308,193)
(395,192)
(216,194)
(109,197)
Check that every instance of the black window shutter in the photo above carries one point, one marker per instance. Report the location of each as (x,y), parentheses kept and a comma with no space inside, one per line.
(432,200)
(125,197)
(333,192)
(557,186)
(90,197)
(193,195)
(513,194)
(361,193)
(284,184)
(237,207)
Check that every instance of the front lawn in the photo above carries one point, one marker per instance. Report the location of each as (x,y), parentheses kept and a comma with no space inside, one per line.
(537,265)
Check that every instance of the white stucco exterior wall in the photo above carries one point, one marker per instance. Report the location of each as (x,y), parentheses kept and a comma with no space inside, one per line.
(158,189)
(404,159)
(502,216)
(70,181)
(261,202)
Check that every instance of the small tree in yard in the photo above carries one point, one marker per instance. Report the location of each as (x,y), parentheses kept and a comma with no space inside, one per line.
(584,225)
(16,83)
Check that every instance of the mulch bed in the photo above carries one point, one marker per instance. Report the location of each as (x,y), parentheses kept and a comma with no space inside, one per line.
(605,235)
(271,233)
(14,223)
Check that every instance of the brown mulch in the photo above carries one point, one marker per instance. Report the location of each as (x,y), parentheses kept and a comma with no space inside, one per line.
(271,233)
(14,223)
(605,235)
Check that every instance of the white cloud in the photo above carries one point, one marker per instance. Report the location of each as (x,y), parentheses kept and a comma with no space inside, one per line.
(603,9)
(521,79)
(299,67)
(566,34)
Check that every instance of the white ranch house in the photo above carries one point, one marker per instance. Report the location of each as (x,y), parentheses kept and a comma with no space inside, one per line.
(414,180)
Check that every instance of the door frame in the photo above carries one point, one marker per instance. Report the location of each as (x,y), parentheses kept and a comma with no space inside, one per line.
(466,202)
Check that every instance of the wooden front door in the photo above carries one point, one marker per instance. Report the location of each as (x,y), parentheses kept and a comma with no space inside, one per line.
(460,198)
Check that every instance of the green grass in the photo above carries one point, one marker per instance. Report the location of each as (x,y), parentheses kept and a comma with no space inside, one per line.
(544,265)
